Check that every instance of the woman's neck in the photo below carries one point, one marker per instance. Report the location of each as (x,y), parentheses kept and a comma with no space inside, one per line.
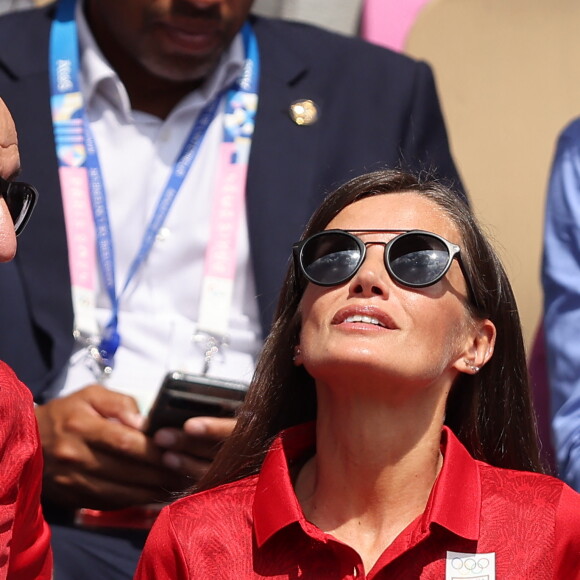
(373,471)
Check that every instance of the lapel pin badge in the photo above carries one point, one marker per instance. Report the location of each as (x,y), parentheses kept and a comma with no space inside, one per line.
(304,112)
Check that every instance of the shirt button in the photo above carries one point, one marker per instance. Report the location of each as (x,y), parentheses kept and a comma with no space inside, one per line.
(163,234)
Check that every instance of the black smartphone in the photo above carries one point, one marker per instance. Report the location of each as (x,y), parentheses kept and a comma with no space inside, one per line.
(183,396)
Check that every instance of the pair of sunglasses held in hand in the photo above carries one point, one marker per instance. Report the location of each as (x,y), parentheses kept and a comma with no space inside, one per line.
(20,199)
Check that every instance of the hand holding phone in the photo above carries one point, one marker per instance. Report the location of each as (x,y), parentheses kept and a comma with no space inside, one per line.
(190,450)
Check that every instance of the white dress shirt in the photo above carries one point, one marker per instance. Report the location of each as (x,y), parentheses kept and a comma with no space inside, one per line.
(159,310)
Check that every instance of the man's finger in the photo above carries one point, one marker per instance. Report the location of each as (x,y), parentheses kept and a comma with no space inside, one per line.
(200,437)
(211,428)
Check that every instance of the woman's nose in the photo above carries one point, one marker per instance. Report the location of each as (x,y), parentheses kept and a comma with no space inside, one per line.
(372,278)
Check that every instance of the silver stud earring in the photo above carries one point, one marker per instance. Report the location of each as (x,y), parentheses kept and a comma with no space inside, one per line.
(297,353)
(471,366)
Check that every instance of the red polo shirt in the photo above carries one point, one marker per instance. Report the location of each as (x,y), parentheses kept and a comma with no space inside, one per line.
(255,528)
(25,552)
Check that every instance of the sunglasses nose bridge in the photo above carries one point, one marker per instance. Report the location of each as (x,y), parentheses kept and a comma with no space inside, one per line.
(375,243)
(371,276)
(368,244)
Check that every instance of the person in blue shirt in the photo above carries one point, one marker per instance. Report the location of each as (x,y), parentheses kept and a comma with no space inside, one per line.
(561,283)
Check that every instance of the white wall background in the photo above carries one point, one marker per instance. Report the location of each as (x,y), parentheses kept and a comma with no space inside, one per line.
(339,15)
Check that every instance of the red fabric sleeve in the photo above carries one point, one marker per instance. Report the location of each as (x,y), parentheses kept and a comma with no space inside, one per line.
(25,552)
(30,553)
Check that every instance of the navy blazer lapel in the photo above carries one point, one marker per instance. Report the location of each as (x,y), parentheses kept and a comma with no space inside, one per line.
(283,163)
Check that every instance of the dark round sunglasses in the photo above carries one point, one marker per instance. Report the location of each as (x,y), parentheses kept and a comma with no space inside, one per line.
(20,199)
(414,258)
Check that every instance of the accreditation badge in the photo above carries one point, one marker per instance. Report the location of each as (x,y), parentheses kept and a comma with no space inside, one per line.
(461,566)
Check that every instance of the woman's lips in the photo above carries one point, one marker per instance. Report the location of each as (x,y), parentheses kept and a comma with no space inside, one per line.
(364,315)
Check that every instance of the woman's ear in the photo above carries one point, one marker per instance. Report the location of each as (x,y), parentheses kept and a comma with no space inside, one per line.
(479,346)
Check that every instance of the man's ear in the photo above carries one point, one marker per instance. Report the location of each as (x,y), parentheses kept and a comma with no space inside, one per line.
(479,346)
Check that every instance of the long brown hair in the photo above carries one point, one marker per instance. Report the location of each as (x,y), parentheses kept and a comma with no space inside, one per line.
(491,412)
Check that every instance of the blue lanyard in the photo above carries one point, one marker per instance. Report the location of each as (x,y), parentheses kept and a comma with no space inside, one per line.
(75,146)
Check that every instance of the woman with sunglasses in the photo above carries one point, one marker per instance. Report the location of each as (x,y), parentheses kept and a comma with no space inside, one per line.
(388,431)
(24,535)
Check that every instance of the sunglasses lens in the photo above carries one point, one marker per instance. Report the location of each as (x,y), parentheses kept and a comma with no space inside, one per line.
(418,259)
(330,258)
(20,199)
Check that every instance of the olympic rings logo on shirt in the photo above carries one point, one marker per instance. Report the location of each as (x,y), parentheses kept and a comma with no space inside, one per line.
(462,566)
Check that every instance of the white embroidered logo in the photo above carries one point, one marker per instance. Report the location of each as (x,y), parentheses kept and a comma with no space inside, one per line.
(460,566)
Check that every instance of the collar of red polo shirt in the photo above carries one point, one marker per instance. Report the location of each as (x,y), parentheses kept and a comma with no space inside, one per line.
(276,506)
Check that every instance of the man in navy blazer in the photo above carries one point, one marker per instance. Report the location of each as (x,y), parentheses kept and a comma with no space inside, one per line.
(373,108)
